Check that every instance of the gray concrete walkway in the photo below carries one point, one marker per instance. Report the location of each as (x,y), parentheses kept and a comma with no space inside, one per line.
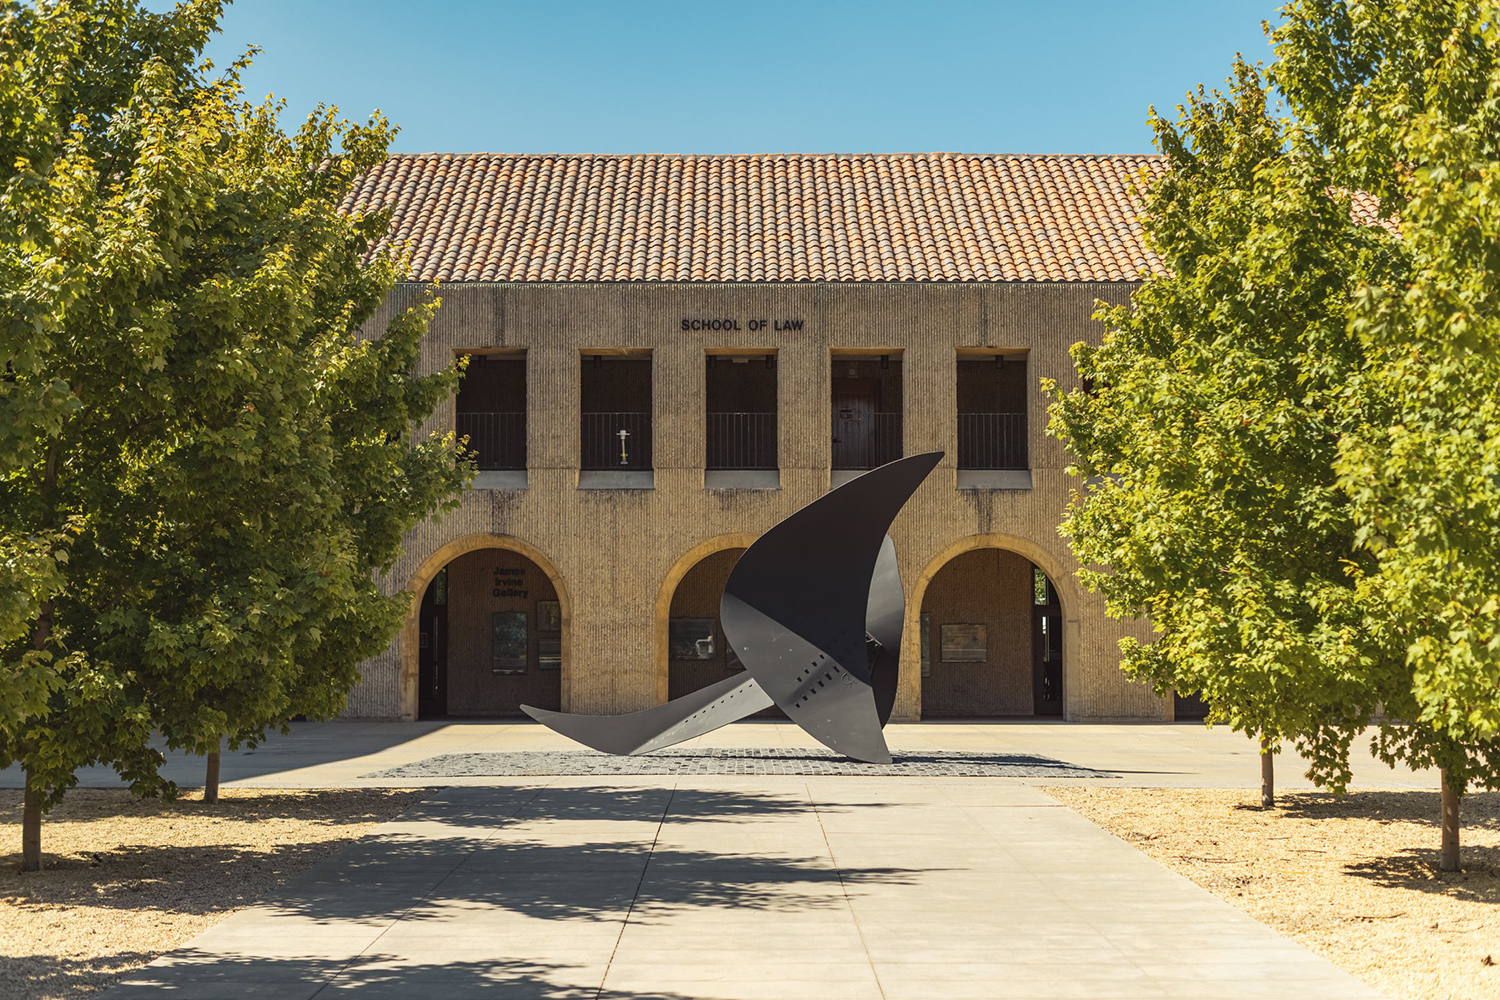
(350,754)
(727,887)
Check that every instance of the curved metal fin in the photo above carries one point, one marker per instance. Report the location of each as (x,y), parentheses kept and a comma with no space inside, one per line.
(885,615)
(795,607)
(680,719)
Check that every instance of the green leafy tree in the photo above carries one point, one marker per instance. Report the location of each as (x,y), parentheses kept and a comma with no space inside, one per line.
(1210,432)
(1295,433)
(229,458)
(1405,96)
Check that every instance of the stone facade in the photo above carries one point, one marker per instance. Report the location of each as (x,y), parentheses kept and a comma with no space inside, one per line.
(615,556)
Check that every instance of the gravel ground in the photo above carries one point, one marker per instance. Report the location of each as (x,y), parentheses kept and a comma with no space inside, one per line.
(126,879)
(740,760)
(1355,879)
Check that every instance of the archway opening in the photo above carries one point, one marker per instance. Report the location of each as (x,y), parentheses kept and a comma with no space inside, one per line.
(489,638)
(697,653)
(991,639)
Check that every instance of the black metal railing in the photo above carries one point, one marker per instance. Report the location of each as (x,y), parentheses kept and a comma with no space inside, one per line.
(496,440)
(992,441)
(865,440)
(741,441)
(616,441)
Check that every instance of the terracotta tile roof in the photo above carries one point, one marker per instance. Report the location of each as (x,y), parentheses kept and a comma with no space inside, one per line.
(897,217)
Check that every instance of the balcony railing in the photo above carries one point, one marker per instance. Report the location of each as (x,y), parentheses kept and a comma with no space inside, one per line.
(616,442)
(865,440)
(741,441)
(992,441)
(496,440)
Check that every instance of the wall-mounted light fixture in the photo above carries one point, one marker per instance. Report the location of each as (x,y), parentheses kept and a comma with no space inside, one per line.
(770,361)
(885,362)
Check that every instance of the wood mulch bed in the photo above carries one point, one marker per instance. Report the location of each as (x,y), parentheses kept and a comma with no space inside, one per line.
(126,879)
(1354,879)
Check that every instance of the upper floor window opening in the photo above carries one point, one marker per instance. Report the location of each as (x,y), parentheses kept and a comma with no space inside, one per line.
(615,412)
(866,397)
(490,409)
(740,412)
(993,391)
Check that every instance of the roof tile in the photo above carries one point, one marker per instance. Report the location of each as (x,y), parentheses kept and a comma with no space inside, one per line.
(899,217)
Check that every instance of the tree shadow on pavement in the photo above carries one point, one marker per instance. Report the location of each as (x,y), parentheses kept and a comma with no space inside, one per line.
(199,973)
(541,851)
(614,803)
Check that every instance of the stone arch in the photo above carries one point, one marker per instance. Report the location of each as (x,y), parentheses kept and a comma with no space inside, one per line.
(442,557)
(680,569)
(909,693)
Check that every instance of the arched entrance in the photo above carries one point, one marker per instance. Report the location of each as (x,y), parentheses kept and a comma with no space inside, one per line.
(991,632)
(691,650)
(490,632)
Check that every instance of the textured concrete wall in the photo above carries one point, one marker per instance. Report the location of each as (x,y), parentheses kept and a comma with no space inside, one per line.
(993,588)
(612,550)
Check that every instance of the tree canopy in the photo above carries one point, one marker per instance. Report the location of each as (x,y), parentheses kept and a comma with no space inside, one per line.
(205,458)
(1209,436)
(1292,438)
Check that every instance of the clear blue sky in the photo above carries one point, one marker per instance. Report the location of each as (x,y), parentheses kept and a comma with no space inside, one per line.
(1065,76)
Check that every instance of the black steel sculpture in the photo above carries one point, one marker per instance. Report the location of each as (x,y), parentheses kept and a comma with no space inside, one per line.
(814,610)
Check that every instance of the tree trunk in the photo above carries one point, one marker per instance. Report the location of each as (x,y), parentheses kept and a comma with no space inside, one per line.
(1267,776)
(1448,857)
(31,801)
(31,829)
(211,780)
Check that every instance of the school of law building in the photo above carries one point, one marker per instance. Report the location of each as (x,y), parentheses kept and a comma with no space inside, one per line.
(669,354)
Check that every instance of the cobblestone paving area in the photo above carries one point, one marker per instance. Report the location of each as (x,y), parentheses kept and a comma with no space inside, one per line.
(754,760)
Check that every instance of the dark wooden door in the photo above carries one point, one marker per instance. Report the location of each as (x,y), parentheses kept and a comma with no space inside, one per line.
(432,649)
(1046,656)
(855,402)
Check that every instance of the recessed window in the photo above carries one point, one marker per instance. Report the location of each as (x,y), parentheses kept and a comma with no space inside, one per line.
(615,417)
(992,398)
(741,412)
(491,411)
(866,398)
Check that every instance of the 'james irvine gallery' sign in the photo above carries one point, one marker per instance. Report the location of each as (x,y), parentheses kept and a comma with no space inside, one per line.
(733,325)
